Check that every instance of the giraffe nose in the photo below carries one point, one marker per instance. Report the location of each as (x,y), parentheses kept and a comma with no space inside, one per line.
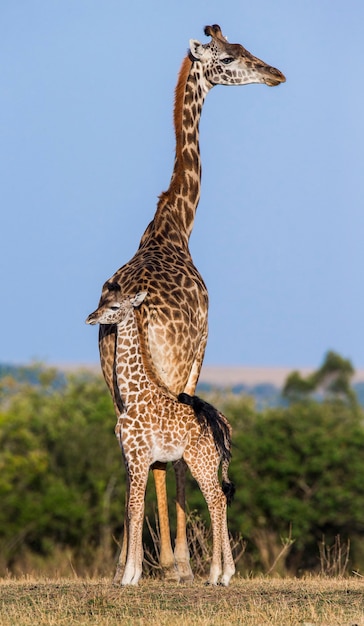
(274,77)
(90,319)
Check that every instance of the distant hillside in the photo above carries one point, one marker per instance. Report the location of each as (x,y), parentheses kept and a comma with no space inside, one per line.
(228,375)
(262,383)
(32,374)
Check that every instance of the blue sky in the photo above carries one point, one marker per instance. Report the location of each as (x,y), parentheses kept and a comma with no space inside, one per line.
(87,145)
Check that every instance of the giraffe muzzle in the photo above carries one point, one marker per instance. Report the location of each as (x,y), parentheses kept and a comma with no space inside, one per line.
(274,77)
(91,319)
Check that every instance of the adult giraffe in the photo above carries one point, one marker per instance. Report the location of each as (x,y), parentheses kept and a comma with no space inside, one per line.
(174,318)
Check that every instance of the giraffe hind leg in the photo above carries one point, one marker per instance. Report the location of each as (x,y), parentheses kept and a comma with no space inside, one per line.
(166,557)
(181,551)
(228,561)
(205,471)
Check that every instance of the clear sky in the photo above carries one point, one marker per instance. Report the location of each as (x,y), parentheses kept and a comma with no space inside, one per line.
(87,145)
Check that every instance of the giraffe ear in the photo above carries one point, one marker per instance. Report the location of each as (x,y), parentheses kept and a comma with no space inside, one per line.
(138,298)
(197,50)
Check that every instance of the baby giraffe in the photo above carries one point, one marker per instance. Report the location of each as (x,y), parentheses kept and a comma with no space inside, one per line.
(156,426)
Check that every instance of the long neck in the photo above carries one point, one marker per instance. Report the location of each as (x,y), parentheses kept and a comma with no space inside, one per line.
(134,374)
(130,375)
(177,206)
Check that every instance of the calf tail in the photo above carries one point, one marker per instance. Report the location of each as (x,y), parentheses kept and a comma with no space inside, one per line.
(209,417)
(228,487)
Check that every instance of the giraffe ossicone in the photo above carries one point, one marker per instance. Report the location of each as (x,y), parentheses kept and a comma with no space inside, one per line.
(155,426)
(173,319)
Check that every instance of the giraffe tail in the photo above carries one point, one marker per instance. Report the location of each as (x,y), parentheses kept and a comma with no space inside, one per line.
(209,417)
(228,487)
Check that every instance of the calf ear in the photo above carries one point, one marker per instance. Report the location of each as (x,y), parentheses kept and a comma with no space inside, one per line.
(197,50)
(138,298)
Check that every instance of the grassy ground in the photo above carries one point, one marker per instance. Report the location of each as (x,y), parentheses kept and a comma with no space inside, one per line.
(308,602)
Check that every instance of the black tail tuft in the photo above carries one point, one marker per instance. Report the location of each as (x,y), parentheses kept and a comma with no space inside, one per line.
(229,491)
(209,417)
(185,398)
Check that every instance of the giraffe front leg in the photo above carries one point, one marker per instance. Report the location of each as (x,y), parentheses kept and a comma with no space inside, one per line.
(139,552)
(124,546)
(166,557)
(181,552)
(135,513)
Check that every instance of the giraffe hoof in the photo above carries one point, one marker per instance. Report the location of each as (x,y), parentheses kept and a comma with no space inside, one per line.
(185,572)
(187,579)
(171,574)
(118,576)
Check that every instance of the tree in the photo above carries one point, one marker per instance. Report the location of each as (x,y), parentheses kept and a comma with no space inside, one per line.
(298,470)
(332,380)
(60,467)
(299,473)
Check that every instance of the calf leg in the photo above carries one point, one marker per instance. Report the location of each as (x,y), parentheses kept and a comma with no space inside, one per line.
(205,470)
(228,561)
(135,513)
(124,546)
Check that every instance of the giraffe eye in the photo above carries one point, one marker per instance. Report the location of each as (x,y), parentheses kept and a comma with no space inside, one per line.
(227,60)
(115,307)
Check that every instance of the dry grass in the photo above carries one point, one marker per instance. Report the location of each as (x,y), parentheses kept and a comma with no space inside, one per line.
(313,601)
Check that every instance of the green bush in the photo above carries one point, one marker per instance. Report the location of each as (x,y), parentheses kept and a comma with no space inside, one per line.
(60,468)
(299,473)
(300,476)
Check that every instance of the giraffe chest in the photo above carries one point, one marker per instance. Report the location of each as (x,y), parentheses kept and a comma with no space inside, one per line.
(152,440)
(165,451)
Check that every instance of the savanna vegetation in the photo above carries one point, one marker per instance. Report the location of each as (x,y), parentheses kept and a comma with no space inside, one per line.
(311,601)
(298,469)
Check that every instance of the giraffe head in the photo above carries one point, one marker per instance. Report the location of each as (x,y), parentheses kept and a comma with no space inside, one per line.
(227,63)
(115,308)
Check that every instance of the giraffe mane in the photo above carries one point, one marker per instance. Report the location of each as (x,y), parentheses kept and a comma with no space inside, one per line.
(178,122)
(179,95)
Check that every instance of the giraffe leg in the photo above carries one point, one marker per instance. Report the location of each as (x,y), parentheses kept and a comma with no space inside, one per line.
(167,561)
(124,546)
(139,552)
(228,561)
(207,477)
(214,504)
(135,514)
(181,552)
